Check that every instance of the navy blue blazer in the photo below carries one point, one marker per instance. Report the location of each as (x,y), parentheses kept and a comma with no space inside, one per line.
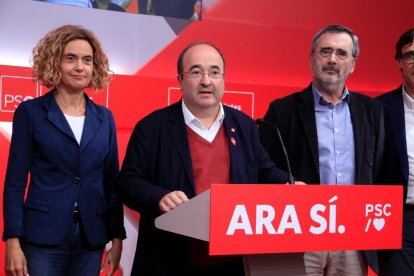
(295,117)
(158,161)
(394,167)
(61,172)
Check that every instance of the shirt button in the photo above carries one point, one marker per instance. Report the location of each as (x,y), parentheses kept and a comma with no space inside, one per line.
(76,180)
(337,152)
(339,174)
(336,130)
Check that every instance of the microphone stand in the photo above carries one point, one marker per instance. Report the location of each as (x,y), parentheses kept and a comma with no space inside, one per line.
(262,122)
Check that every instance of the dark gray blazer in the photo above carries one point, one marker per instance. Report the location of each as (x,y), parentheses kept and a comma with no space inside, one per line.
(295,117)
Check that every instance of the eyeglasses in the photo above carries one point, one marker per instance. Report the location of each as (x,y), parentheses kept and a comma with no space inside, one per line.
(327,52)
(408,57)
(197,74)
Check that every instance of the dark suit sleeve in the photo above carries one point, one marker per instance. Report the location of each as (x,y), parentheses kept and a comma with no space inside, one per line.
(269,172)
(111,168)
(136,189)
(269,139)
(379,143)
(20,159)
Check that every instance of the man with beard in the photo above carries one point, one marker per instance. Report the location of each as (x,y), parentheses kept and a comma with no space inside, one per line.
(332,136)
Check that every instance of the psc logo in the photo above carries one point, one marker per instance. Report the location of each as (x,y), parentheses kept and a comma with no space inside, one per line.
(14,90)
(377,213)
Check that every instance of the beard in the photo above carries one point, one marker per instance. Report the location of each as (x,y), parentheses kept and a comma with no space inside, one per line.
(330,83)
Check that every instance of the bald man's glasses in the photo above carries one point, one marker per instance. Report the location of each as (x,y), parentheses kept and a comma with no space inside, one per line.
(198,74)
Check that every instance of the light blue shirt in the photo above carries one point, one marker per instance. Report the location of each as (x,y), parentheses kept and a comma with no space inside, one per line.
(335,140)
(79,3)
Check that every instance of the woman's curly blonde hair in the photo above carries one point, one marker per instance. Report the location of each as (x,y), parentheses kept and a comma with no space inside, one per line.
(48,52)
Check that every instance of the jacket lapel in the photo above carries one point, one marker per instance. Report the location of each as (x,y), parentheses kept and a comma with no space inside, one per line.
(56,116)
(178,134)
(306,110)
(358,121)
(233,140)
(93,120)
(397,122)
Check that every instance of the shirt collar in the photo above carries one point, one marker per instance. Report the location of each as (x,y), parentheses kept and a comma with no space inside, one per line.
(408,101)
(319,100)
(189,118)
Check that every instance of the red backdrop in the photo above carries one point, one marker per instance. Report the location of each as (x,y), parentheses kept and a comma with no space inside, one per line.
(266,44)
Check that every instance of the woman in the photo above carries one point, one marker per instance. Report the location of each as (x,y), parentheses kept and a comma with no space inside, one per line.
(68,145)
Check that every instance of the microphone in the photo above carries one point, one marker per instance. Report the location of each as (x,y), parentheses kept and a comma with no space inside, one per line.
(262,122)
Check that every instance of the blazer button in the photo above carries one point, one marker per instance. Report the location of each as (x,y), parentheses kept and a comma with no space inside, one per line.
(76,180)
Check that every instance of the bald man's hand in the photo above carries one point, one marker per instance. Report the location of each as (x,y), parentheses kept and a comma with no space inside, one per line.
(172,200)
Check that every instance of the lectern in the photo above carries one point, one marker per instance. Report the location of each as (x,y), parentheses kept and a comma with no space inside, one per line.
(272,225)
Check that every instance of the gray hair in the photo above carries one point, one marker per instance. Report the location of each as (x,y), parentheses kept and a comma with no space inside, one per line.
(337,29)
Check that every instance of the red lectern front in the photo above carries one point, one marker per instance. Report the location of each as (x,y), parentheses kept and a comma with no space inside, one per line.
(272,225)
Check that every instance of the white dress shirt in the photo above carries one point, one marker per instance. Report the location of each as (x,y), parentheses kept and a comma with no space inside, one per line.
(409,135)
(192,122)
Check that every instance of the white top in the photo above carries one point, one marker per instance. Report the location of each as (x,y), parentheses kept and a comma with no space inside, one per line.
(192,122)
(409,135)
(76,124)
